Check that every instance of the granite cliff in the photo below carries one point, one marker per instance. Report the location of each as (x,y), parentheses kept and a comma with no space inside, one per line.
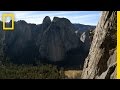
(101,60)
(53,41)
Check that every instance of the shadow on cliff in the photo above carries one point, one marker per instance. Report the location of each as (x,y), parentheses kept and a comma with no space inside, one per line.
(73,60)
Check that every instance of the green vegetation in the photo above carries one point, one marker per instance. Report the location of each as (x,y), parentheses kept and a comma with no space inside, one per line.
(31,72)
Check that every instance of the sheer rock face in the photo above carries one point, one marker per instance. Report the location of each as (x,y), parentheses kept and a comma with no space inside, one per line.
(46,22)
(19,44)
(57,39)
(2,38)
(17,40)
(101,60)
(54,40)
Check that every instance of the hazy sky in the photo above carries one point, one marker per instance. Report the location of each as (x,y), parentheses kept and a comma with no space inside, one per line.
(82,17)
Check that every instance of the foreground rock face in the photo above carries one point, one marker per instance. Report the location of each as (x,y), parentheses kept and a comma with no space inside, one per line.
(101,60)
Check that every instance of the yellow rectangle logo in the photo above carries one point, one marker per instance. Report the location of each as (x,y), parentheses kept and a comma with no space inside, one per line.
(118,44)
(4,16)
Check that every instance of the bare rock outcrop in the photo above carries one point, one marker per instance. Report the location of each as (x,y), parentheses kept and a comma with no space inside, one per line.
(57,39)
(85,38)
(101,60)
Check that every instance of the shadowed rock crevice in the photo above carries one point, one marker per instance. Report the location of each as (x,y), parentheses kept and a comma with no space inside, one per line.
(110,71)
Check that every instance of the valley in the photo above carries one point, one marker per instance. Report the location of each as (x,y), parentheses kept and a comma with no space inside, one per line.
(59,49)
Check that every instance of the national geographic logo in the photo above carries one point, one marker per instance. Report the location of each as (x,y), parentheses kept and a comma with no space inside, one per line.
(4,17)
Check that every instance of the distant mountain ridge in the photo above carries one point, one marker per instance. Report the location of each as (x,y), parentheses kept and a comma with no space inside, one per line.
(84,28)
(54,41)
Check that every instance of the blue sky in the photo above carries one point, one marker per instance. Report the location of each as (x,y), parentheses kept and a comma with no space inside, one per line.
(82,17)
